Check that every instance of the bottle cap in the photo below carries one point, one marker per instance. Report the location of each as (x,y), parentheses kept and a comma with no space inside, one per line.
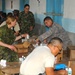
(70,69)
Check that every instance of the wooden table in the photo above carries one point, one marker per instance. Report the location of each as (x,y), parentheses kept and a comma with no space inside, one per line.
(70,63)
(11,68)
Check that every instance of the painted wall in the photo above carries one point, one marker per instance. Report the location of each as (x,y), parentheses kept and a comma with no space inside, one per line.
(38,7)
(42,8)
(54,9)
(69,18)
(68,10)
(22,3)
(10,5)
(69,15)
(0,5)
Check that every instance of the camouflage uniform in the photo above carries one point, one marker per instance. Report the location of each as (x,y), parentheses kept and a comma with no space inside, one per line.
(25,21)
(56,31)
(7,36)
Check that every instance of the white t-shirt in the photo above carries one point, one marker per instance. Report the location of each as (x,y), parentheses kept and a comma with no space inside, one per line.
(36,61)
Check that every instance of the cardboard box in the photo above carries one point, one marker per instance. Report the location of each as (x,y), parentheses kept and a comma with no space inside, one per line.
(24,48)
(71,52)
(26,44)
(22,52)
(19,46)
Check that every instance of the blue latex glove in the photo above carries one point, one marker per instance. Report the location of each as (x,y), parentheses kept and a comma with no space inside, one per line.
(60,66)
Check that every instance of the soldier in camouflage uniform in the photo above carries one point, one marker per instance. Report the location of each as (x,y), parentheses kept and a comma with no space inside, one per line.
(26,20)
(7,50)
(55,30)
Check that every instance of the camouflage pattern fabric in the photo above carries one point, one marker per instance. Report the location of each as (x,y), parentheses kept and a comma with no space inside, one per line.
(25,21)
(7,36)
(56,31)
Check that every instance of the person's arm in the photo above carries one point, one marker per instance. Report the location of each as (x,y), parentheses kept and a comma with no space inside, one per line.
(45,35)
(2,37)
(54,30)
(61,72)
(49,71)
(8,46)
(21,36)
(49,65)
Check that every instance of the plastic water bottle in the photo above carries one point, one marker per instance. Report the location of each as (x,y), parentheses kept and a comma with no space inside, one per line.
(27,38)
(69,70)
(23,58)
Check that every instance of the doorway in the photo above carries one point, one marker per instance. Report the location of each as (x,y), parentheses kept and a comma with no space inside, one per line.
(54,9)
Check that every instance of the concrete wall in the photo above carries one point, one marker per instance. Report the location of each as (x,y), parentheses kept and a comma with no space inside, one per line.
(0,5)
(39,7)
(11,5)
(72,37)
(69,18)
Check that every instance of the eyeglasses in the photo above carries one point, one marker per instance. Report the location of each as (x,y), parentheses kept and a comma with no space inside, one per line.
(59,49)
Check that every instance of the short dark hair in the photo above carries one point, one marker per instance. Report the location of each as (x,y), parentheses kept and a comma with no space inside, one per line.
(48,18)
(26,5)
(15,12)
(9,14)
(54,40)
